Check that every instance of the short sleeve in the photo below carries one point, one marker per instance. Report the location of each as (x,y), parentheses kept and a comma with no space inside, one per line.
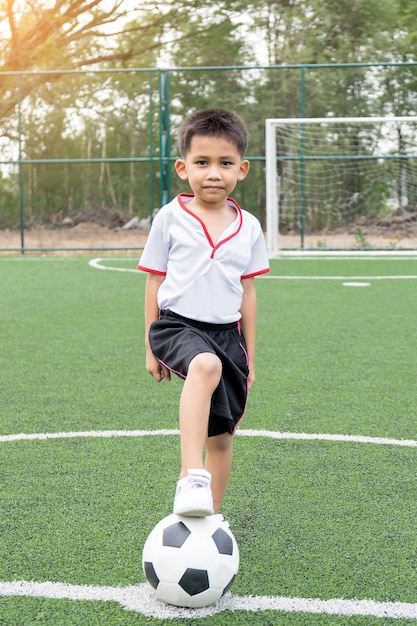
(259,263)
(154,258)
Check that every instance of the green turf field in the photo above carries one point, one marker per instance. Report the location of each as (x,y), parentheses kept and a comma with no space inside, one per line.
(323,524)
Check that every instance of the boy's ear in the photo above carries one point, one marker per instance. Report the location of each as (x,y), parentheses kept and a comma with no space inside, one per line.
(244,169)
(181,169)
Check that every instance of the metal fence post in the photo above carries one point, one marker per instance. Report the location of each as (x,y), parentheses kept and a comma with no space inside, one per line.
(302,162)
(151,147)
(21,198)
(164,138)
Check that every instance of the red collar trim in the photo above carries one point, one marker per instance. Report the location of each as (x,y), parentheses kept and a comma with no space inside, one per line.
(230,202)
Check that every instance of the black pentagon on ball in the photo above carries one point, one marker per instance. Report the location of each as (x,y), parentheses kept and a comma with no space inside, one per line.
(223,541)
(150,574)
(175,535)
(194,581)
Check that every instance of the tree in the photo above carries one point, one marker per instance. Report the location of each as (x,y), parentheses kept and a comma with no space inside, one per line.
(103,115)
(73,34)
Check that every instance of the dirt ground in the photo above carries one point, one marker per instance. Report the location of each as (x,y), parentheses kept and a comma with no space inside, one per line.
(76,240)
(397,231)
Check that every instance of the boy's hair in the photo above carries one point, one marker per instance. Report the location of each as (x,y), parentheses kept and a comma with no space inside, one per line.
(214,122)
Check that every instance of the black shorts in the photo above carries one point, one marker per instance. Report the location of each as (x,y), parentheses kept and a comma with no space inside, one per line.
(176,340)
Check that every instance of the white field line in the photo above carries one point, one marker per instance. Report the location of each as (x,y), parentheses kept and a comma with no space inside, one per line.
(399,277)
(408,443)
(96,263)
(354,255)
(141,598)
(86,434)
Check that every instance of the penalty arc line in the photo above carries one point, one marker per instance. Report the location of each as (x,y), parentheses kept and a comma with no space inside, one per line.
(141,599)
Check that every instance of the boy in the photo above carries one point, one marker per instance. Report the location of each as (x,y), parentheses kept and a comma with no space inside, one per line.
(201,256)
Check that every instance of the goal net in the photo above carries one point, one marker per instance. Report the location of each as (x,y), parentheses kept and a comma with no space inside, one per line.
(324,173)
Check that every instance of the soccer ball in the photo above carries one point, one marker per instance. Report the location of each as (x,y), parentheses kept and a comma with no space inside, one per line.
(191,561)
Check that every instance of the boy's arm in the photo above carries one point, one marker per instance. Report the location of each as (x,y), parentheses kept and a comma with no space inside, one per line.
(248,323)
(153,366)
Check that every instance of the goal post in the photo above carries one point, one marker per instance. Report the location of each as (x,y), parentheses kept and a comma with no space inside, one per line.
(324,173)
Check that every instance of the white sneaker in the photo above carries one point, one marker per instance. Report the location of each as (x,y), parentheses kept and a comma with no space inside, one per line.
(193,497)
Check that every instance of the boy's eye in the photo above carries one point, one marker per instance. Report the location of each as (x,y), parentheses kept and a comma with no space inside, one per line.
(227,163)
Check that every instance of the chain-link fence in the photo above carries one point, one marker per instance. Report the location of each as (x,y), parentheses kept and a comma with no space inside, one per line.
(86,156)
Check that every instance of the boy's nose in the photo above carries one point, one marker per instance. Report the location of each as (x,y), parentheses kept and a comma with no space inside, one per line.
(214,172)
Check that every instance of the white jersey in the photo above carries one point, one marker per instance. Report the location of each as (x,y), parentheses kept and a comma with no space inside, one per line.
(203,279)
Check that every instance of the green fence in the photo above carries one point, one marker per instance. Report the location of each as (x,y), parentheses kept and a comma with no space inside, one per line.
(74,143)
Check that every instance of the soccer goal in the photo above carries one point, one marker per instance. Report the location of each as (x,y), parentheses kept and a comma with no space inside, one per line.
(325,173)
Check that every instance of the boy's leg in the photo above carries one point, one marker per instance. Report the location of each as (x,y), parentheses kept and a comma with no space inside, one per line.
(204,373)
(219,463)
(193,495)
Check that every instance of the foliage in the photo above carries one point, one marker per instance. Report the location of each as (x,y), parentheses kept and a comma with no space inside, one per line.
(8,203)
(58,113)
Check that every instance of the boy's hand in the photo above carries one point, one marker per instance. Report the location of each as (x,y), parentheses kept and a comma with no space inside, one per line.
(154,367)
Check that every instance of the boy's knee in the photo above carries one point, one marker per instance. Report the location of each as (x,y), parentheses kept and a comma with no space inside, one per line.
(220,443)
(206,364)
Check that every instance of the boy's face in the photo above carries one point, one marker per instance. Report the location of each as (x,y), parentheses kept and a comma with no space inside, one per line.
(212,167)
